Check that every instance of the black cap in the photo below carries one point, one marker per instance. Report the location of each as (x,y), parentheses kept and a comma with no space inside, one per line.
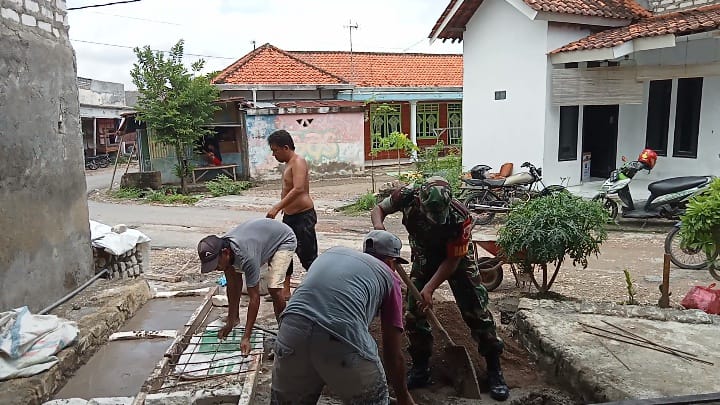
(209,252)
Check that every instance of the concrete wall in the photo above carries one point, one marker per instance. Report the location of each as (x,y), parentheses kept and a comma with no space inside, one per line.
(633,119)
(503,50)
(667,6)
(331,143)
(45,239)
(99,93)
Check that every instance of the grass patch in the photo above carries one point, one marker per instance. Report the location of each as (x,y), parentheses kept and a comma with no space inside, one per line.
(166,195)
(223,185)
(364,203)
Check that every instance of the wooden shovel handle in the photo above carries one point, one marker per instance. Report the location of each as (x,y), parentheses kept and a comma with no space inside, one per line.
(416,294)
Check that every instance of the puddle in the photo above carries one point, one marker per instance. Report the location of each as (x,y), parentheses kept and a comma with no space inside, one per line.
(120,368)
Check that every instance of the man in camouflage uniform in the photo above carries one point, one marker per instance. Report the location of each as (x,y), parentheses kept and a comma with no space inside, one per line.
(439,227)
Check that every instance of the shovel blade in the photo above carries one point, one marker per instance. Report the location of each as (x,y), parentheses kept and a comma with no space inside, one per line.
(461,371)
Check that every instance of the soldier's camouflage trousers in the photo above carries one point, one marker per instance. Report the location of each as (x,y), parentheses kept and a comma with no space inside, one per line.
(472,301)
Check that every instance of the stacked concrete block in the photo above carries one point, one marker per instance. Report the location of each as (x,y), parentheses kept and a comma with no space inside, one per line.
(127,265)
(45,17)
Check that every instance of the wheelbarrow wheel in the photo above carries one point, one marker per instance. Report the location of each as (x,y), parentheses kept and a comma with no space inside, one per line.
(488,272)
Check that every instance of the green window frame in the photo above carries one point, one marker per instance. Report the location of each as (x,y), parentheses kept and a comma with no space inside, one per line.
(428,119)
(454,131)
(384,123)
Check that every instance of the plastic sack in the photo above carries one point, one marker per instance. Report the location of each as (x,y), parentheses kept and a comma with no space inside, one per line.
(703,298)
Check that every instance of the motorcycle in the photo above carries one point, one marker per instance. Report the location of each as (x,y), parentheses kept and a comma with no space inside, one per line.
(486,197)
(668,197)
(91,164)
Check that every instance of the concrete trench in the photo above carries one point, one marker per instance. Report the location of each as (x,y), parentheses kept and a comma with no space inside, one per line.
(119,368)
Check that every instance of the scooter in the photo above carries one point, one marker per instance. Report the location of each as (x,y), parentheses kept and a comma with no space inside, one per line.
(668,198)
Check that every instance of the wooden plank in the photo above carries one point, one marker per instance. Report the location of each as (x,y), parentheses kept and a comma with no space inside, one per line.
(182,293)
(143,334)
(163,277)
(248,390)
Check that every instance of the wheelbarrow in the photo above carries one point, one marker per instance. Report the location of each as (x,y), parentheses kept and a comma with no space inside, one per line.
(489,269)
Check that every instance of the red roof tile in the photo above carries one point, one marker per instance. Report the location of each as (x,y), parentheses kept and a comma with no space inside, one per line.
(373,69)
(678,23)
(270,65)
(620,9)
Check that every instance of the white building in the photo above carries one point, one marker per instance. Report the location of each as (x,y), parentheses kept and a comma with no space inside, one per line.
(548,81)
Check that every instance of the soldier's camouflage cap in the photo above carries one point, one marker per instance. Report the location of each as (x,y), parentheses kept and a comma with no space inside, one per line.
(435,196)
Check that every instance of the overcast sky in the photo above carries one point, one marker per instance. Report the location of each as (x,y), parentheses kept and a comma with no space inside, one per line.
(224,29)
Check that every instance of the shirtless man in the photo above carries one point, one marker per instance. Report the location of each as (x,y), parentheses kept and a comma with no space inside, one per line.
(297,206)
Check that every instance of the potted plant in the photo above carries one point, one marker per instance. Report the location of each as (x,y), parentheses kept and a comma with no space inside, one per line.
(700,227)
(547,230)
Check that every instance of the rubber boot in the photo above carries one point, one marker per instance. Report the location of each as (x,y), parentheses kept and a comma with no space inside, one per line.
(419,375)
(499,390)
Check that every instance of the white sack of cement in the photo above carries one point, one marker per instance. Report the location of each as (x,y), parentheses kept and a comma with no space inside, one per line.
(28,343)
(206,356)
(102,236)
(220,300)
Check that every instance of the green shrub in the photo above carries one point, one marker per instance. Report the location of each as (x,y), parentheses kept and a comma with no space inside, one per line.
(430,163)
(169,196)
(544,230)
(223,185)
(364,203)
(127,193)
(701,223)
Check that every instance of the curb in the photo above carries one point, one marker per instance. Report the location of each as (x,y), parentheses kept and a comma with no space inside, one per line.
(95,328)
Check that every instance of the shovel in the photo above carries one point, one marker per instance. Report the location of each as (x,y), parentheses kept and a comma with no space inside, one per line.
(459,366)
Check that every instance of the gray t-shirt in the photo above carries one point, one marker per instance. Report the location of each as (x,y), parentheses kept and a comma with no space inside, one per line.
(255,242)
(343,291)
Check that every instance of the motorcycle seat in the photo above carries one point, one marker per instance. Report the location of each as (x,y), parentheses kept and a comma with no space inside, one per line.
(484,182)
(675,184)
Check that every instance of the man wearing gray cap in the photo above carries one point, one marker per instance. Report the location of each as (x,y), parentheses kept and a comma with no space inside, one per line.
(243,250)
(324,337)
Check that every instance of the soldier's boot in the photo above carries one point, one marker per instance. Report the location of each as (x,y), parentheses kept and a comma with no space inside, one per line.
(499,390)
(419,375)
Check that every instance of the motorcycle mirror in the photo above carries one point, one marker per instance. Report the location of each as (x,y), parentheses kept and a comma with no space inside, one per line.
(624,159)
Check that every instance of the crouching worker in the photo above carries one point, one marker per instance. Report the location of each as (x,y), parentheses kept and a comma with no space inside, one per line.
(324,338)
(243,250)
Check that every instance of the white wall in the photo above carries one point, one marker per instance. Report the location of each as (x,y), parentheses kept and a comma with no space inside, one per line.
(554,170)
(503,50)
(633,119)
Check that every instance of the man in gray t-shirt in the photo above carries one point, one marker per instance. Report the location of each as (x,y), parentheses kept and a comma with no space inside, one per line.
(244,249)
(324,338)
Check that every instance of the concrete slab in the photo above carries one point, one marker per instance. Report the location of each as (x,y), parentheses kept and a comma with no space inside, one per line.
(552,333)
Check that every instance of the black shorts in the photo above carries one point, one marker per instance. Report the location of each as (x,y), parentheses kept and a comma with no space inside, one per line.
(303,224)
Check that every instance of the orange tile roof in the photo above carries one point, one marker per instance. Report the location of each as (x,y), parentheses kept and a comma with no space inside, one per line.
(678,23)
(375,69)
(620,9)
(270,65)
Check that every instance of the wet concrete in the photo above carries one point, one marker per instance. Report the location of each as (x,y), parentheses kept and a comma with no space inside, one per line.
(120,368)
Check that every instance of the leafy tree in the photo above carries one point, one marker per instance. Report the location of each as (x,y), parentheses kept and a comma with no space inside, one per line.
(394,141)
(173,101)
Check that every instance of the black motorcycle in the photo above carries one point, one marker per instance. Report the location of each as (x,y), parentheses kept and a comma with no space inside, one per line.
(485,197)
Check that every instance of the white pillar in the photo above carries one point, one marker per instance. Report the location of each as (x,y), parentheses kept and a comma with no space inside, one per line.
(413,126)
(254,93)
(94,136)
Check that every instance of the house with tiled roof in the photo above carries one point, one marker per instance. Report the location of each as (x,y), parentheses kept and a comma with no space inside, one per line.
(327,100)
(568,84)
